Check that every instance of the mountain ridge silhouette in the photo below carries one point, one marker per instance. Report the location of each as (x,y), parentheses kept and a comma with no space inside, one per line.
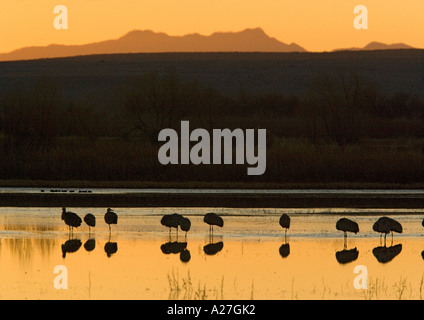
(375,45)
(148,41)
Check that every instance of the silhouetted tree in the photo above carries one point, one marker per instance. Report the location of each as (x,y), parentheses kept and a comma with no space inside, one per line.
(336,103)
(154,103)
(30,117)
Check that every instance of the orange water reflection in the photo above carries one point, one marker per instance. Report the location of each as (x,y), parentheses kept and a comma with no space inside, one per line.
(131,263)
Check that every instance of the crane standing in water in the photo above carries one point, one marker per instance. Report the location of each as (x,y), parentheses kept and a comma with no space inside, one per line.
(171,221)
(347,225)
(72,220)
(212,219)
(185,225)
(111,217)
(285,223)
(90,220)
(386,225)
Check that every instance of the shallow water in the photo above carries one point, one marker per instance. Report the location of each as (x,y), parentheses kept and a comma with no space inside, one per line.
(249,258)
(414,192)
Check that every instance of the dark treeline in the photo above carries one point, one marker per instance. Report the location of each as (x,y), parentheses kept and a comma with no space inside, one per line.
(342,129)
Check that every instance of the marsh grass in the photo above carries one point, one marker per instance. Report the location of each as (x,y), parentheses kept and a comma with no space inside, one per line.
(183,288)
(289,162)
(378,289)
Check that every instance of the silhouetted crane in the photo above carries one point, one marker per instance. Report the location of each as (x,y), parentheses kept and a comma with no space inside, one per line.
(386,225)
(285,222)
(171,221)
(212,219)
(111,217)
(72,220)
(90,220)
(347,225)
(185,224)
(423,223)
(285,247)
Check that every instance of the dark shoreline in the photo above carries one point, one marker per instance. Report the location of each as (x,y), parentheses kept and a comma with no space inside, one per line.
(313,200)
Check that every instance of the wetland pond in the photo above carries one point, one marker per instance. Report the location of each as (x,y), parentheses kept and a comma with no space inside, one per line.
(249,258)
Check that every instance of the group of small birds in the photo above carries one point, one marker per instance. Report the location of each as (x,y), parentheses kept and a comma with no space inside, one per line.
(72,220)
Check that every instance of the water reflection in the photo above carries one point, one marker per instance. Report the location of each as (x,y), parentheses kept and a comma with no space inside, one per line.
(33,242)
(90,245)
(185,255)
(173,247)
(25,248)
(111,248)
(177,248)
(71,246)
(386,254)
(346,256)
(213,248)
(284,250)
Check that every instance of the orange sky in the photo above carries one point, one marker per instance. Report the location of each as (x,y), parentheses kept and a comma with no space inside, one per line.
(314,25)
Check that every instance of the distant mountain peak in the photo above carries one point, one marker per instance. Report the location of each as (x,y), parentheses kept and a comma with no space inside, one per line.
(375,45)
(257,30)
(140,33)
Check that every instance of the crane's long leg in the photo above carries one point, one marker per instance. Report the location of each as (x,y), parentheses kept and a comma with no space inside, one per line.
(345,240)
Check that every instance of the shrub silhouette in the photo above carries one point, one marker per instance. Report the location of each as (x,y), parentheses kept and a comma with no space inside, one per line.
(30,117)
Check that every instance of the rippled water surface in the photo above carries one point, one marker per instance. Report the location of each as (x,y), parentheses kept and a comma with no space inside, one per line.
(249,258)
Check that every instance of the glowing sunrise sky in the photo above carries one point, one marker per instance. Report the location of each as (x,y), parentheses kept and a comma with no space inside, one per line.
(316,25)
